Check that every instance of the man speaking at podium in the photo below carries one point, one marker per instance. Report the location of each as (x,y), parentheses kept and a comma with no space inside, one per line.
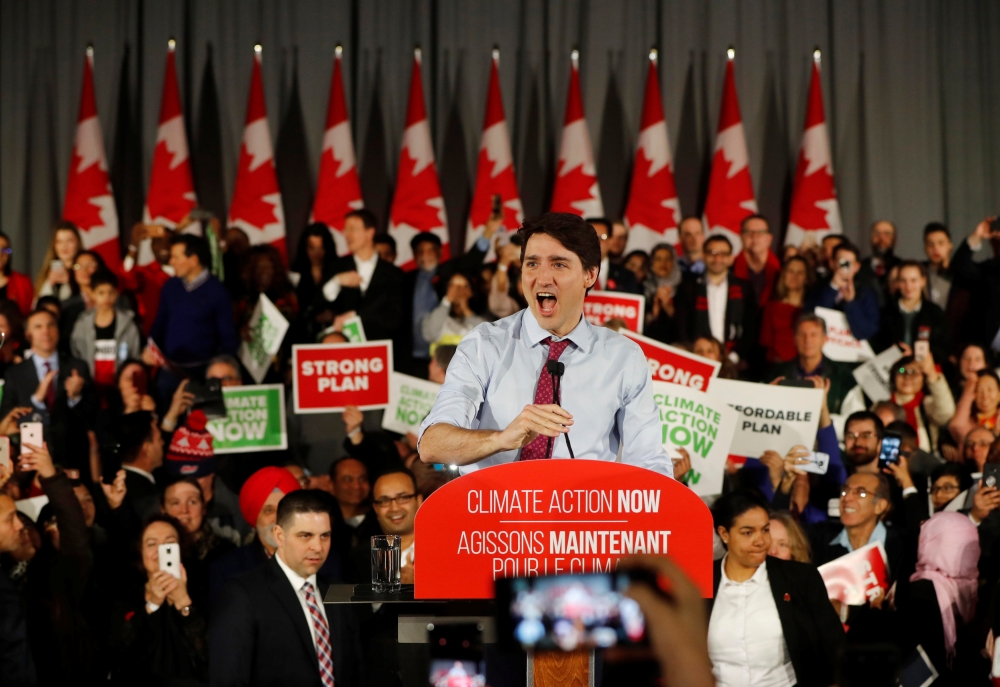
(605,405)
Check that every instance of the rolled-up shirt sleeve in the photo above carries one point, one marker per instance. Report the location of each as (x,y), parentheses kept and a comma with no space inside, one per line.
(639,420)
(464,389)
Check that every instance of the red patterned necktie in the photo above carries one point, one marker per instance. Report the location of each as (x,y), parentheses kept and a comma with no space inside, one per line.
(324,651)
(538,449)
(50,395)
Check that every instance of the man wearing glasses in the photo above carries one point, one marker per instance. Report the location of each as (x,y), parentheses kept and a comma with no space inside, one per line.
(718,303)
(757,263)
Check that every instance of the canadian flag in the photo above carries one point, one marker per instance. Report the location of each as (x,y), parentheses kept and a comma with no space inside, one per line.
(730,188)
(576,189)
(89,202)
(417,204)
(339,189)
(653,213)
(256,206)
(815,211)
(495,169)
(171,187)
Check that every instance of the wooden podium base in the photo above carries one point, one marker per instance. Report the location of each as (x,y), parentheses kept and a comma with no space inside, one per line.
(561,669)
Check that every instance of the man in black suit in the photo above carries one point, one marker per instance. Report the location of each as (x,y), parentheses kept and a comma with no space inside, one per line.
(58,390)
(140,448)
(17,667)
(612,276)
(982,279)
(364,285)
(719,304)
(271,626)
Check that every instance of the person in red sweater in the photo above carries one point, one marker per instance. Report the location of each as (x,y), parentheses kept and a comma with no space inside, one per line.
(14,286)
(757,263)
(146,281)
(777,326)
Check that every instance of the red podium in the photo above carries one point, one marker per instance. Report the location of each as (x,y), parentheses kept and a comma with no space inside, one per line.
(555,516)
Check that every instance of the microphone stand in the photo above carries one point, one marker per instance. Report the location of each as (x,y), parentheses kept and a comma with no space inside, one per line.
(556,369)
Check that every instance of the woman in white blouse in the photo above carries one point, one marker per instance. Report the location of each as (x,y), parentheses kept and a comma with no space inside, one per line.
(771,623)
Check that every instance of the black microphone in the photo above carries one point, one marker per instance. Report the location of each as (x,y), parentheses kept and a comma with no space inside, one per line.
(556,369)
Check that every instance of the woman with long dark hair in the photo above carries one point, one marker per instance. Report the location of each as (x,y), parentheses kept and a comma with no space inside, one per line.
(313,262)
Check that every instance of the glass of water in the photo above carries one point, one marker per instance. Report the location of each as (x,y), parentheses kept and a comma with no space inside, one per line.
(385,563)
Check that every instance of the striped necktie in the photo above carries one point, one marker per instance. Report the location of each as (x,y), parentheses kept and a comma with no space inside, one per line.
(324,651)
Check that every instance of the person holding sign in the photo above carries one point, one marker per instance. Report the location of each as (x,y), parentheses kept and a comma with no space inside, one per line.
(480,416)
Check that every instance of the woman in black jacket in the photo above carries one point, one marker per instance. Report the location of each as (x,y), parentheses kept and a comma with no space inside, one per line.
(158,634)
(771,620)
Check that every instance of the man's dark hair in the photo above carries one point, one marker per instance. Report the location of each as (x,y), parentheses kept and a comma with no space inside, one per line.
(846,245)
(906,433)
(337,463)
(302,501)
(134,430)
(717,238)
(102,278)
(366,216)
(955,470)
(839,238)
(44,301)
(40,311)
(734,504)
(397,470)
(425,237)
(571,231)
(443,355)
(934,228)
(743,223)
(387,240)
(193,245)
(812,317)
(861,416)
(604,221)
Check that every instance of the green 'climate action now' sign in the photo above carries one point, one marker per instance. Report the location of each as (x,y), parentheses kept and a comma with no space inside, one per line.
(255,420)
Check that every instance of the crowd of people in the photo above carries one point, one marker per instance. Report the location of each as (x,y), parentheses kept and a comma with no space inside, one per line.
(109,360)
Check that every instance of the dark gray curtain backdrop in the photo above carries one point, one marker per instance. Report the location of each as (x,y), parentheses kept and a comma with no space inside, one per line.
(912,91)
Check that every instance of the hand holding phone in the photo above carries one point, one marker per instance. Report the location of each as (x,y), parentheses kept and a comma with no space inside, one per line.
(890,450)
(170,559)
(31,433)
(818,464)
(5,454)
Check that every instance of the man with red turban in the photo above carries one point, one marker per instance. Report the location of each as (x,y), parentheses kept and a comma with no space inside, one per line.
(259,499)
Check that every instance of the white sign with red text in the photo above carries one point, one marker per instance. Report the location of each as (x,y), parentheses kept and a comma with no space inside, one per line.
(675,365)
(856,578)
(840,342)
(329,377)
(601,306)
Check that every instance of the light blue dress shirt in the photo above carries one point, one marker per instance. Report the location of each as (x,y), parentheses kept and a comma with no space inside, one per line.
(878,534)
(607,388)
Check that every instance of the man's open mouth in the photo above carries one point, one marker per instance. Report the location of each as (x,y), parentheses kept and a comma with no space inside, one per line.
(546,303)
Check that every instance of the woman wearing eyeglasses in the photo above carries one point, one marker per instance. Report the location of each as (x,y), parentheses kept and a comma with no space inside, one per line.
(950,485)
(14,286)
(771,620)
(923,393)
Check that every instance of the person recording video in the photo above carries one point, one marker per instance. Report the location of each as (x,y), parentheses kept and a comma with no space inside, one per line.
(606,400)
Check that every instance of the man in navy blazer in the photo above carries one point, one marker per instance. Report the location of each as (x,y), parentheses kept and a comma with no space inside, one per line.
(271,627)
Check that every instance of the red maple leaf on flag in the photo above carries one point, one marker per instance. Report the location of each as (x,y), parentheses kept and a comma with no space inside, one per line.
(410,206)
(809,190)
(574,187)
(648,193)
(84,185)
(170,195)
(723,207)
(251,187)
(504,183)
(331,207)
